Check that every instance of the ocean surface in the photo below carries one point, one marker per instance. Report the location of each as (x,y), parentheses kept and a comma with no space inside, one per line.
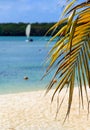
(18,59)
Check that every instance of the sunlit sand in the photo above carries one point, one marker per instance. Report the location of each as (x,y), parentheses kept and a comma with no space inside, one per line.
(34,111)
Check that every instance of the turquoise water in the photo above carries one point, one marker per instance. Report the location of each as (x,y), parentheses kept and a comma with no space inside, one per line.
(19,58)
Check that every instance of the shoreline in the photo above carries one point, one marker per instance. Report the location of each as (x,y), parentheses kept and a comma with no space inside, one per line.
(34,111)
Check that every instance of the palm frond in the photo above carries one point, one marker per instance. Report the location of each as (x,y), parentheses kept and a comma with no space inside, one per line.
(71,53)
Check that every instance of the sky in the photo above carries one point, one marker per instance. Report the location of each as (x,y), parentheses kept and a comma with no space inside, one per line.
(30,11)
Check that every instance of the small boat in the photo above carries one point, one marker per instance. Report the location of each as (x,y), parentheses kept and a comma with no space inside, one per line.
(26,78)
(28,30)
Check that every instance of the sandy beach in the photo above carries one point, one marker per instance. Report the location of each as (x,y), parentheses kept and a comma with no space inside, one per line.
(34,111)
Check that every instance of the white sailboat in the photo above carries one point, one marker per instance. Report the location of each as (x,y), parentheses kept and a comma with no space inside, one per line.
(28,30)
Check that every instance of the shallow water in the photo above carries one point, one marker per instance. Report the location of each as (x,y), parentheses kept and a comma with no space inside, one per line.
(19,58)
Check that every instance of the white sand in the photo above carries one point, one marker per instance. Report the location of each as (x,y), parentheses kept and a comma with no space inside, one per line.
(33,111)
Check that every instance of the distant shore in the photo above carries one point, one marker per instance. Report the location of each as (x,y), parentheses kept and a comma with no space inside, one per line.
(18,29)
(34,111)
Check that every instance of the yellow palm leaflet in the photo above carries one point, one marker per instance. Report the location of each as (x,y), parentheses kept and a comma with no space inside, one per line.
(62,82)
(59,32)
(84,12)
(87,51)
(70,18)
(85,32)
(67,68)
(67,63)
(85,17)
(52,62)
(59,43)
(76,42)
(55,56)
(73,52)
(56,25)
(88,40)
(73,57)
(76,47)
(83,76)
(79,39)
(81,27)
(71,89)
(68,6)
(69,58)
(72,31)
(82,31)
(82,37)
(70,63)
(84,4)
(50,85)
(63,66)
(87,48)
(58,101)
(85,66)
(84,50)
(84,21)
(79,76)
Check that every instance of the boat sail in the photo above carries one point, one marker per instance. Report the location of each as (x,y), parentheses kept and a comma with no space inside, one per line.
(28,30)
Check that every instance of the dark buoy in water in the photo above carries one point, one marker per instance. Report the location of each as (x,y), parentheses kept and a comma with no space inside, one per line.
(26,78)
